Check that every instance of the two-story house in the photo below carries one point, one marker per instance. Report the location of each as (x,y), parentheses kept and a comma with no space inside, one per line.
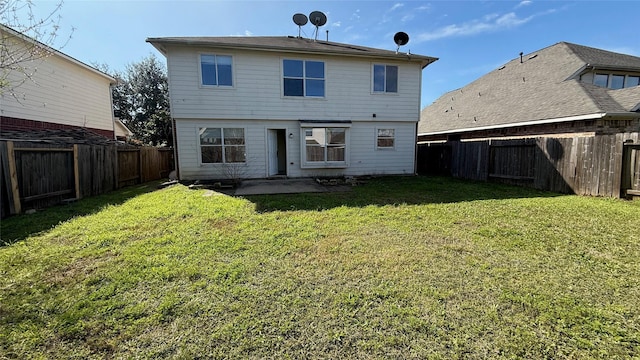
(47,89)
(564,89)
(258,107)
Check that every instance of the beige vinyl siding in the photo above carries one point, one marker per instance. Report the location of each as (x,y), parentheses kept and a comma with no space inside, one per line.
(255,143)
(61,92)
(364,158)
(255,103)
(257,92)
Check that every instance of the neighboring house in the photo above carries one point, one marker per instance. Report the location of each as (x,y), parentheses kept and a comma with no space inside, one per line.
(559,90)
(258,107)
(122,132)
(60,93)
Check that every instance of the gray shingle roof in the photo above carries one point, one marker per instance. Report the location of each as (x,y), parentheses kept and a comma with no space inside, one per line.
(289,44)
(599,57)
(542,87)
(58,136)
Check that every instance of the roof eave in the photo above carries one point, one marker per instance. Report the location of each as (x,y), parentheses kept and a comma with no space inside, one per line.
(604,115)
(596,67)
(159,43)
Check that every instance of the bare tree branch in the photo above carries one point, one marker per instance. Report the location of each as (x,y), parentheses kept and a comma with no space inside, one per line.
(25,41)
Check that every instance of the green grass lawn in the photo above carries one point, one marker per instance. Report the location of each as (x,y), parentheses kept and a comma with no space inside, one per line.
(408,267)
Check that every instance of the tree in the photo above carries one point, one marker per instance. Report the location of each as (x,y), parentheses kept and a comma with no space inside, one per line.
(149,86)
(141,101)
(24,39)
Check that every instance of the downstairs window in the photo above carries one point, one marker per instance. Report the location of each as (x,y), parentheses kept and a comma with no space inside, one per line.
(325,146)
(222,145)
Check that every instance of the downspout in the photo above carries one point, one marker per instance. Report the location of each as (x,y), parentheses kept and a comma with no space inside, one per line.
(113,118)
(175,148)
(415,154)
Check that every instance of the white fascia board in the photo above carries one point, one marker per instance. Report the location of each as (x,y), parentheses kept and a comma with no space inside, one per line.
(524,123)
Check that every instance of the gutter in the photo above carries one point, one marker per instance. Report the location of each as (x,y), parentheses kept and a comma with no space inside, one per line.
(604,115)
(159,42)
(596,67)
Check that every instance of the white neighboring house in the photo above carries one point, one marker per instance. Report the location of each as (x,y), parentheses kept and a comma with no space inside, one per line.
(258,107)
(61,93)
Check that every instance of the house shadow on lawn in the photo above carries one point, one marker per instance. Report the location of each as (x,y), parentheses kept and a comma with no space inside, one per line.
(382,191)
(19,227)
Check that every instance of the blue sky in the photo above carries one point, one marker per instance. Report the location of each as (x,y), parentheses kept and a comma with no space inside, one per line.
(470,38)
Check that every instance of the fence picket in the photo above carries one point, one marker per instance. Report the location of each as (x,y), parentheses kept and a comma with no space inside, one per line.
(599,165)
(38,175)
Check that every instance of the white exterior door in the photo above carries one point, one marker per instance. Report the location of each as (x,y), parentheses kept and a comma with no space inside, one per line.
(272,143)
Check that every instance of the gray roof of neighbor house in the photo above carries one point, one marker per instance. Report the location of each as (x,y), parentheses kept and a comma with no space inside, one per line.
(544,87)
(287,44)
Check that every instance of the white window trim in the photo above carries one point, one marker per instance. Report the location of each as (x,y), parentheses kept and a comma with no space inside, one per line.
(388,148)
(217,87)
(223,163)
(305,97)
(304,164)
(373,92)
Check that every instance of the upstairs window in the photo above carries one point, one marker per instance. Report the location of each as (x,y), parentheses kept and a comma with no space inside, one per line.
(216,70)
(303,78)
(601,80)
(385,78)
(616,81)
(632,81)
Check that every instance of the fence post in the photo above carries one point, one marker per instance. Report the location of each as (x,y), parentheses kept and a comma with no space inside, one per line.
(116,168)
(15,189)
(76,171)
(140,155)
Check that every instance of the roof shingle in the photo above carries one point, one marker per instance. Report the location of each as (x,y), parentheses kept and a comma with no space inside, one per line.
(540,87)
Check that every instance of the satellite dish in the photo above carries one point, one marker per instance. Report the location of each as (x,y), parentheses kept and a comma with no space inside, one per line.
(401,38)
(318,18)
(300,19)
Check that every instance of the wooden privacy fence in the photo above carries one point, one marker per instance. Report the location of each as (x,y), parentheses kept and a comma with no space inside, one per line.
(631,170)
(601,165)
(143,164)
(36,175)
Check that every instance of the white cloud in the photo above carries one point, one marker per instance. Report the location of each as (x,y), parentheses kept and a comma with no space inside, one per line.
(407,18)
(511,20)
(386,17)
(524,3)
(490,17)
(336,24)
(423,8)
(248,33)
(491,22)
(356,15)
(396,6)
